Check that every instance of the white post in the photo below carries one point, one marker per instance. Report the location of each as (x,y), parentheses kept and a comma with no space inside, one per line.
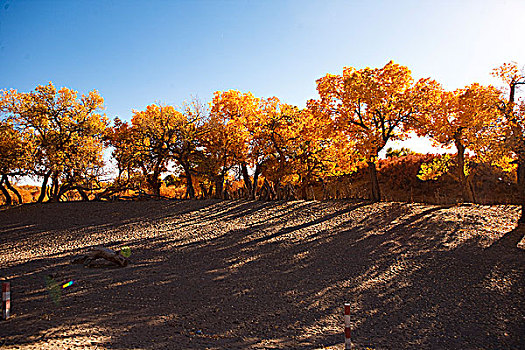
(348,340)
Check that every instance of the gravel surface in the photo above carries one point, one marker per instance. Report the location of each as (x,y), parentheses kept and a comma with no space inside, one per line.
(264,275)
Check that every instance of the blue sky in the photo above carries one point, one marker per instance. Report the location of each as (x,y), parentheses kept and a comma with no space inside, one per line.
(139,52)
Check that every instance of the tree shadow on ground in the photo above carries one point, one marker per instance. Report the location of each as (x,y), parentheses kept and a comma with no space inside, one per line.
(276,275)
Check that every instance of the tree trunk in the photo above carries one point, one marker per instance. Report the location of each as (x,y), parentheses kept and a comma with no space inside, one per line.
(13,189)
(83,194)
(18,195)
(374,183)
(79,189)
(49,193)
(277,190)
(225,192)
(469,188)
(325,191)
(5,192)
(251,186)
(54,195)
(255,181)
(272,195)
(190,191)
(43,188)
(465,183)
(304,192)
(521,186)
(219,186)
(63,190)
(154,182)
(246,178)
(203,190)
(156,185)
(265,191)
(521,156)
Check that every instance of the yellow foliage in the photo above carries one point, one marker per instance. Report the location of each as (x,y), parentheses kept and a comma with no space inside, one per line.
(433,170)
(62,131)
(506,163)
(371,105)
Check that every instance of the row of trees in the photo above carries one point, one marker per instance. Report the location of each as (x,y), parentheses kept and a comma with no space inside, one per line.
(60,137)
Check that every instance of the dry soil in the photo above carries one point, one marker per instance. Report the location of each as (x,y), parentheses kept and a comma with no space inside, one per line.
(264,275)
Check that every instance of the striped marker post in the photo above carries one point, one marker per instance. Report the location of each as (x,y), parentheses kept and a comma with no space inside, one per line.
(6,299)
(348,340)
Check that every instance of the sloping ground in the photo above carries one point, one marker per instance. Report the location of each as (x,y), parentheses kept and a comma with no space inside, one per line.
(238,274)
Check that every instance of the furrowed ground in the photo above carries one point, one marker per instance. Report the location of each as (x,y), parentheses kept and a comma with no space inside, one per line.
(275,275)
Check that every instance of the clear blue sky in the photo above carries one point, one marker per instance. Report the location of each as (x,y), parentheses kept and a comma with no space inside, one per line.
(139,52)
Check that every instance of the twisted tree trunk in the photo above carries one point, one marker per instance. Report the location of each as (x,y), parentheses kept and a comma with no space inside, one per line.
(43,188)
(5,192)
(219,186)
(55,193)
(190,191)
(246,178)
(251,186)
(12,188)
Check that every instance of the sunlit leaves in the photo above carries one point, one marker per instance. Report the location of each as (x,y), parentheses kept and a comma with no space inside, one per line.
(157,135)
(66,133)
(467,118)
(370,106)
(513,109)
(509,73)
(55,133)
(16,149)
(436,168)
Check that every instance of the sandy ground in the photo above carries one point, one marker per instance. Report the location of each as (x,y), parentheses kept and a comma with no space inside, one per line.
(264,275)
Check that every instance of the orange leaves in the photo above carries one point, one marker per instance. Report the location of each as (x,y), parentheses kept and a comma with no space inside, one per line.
(16,148)
(369,105)
(285,143)
(157,125)
(357,113)
(469,119)
(467,115)
(63,132)
(157,136)
(509,73)
(64,127)
(231,119)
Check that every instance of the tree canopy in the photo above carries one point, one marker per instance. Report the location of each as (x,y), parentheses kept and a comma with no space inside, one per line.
(262,146)
(66,134)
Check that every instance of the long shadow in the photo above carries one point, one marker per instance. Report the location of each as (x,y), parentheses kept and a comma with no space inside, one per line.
(233,289)
(509,241)
(71,215)
(307,224)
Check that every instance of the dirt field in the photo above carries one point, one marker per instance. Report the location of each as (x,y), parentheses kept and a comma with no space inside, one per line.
(274,275)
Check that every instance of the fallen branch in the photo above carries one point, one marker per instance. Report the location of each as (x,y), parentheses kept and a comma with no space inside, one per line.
(101,253)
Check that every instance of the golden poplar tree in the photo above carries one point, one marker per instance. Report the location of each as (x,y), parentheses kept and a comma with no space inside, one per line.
(513,111)
(67,133)
(370,106)
(467,119)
